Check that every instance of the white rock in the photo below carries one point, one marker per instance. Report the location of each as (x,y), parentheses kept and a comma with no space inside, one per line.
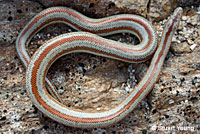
(171,101)
(192,47)
(184,18)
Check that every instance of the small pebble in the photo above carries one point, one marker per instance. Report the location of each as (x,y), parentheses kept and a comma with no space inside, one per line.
(184,18)
(171,101)
(190,42)
(193,47)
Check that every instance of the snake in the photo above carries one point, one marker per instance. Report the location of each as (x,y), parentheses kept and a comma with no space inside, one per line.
(89,38)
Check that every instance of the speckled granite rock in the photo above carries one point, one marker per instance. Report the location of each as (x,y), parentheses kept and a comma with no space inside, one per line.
(14,15)
(153,9)
(100,83)
(161,9)
(100,8)
(189,2)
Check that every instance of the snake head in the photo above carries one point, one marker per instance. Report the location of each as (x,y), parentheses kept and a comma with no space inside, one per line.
(177,15)
(174,19)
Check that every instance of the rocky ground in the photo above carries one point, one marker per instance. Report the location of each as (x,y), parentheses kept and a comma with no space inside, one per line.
(89,82)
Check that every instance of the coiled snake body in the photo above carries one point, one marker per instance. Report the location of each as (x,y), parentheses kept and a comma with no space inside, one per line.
(89,42)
